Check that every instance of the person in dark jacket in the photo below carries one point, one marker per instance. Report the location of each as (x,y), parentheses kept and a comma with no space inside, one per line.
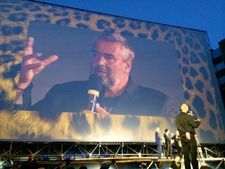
(168,144)
(111,62)
(186,125)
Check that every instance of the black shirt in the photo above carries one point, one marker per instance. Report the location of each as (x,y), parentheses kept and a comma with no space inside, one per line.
(73,97)
(186,123)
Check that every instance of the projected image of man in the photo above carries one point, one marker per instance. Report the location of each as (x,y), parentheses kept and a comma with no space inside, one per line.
(111,62)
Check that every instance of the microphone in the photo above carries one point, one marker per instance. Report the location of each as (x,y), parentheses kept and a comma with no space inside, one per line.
(95,84)
(191,113)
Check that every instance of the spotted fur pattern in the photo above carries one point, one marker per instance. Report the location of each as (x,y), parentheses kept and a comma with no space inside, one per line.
(195,67)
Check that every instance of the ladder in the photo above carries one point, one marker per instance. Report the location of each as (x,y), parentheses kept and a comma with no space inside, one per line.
(199,150)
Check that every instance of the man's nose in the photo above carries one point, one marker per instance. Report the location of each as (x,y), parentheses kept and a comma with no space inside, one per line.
(101,60)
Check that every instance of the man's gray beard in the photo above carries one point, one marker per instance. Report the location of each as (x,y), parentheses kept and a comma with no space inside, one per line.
(108,82)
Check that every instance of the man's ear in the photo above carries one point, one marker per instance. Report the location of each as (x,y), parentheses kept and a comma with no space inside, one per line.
(128,66)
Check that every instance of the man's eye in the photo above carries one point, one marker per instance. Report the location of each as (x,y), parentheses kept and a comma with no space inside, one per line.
(108,57)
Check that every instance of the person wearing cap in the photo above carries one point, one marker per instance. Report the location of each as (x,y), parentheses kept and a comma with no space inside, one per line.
(186,126)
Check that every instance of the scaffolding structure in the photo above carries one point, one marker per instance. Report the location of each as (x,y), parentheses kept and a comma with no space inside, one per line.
(58,153)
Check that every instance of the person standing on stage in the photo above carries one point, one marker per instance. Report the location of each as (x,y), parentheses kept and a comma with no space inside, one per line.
(186,125)
(168,144)
(158,142)
(177,143)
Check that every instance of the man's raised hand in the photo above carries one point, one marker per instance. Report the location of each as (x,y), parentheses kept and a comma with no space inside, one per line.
(32,65)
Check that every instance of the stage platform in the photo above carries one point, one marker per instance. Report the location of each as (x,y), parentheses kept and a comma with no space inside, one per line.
(95,153)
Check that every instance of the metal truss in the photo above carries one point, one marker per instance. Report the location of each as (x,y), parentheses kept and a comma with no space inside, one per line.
(75,150)
(96,152)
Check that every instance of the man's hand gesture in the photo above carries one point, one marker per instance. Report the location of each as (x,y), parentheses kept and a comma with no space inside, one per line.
(31,65)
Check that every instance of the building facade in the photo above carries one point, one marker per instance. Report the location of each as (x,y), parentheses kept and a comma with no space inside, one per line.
(218,58)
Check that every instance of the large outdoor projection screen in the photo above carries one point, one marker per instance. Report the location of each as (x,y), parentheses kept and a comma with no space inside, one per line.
(170,60)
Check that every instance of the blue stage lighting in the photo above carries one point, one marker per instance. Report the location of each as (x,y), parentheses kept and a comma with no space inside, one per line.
(67,157)
(45,157)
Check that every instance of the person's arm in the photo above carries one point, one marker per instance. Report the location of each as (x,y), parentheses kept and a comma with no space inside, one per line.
(195,123)
(24,98)
(166,137)
(157,138)
(30,67)
(101,110)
